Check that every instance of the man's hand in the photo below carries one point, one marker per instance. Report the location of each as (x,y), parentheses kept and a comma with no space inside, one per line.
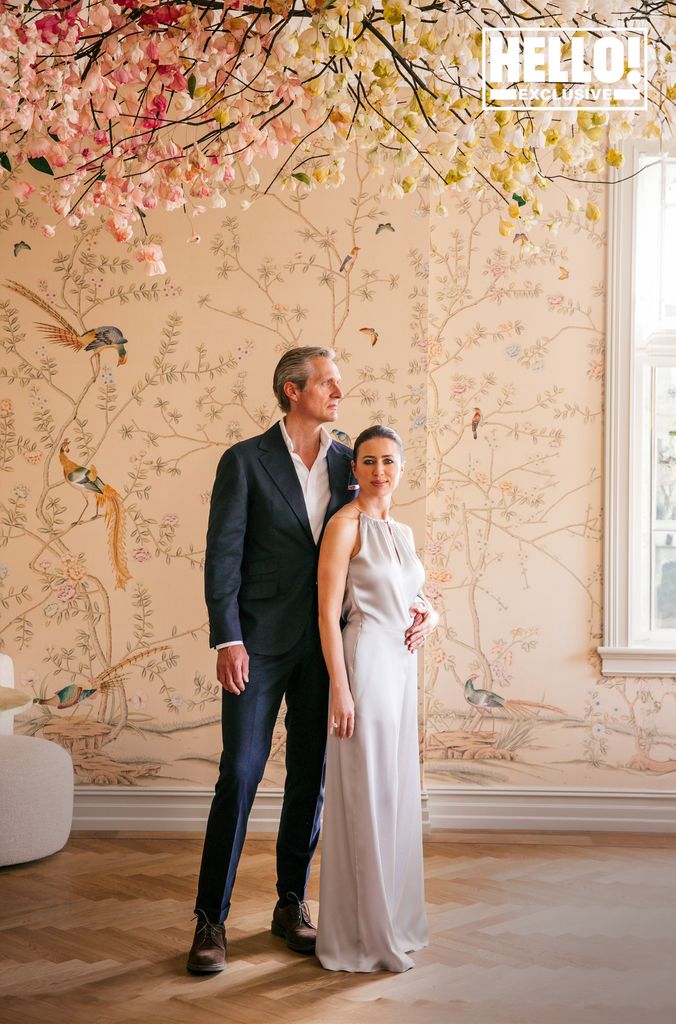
(424,622)
(232,668)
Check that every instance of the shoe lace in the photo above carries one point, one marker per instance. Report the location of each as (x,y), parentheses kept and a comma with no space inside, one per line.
(302,909)
(208,932)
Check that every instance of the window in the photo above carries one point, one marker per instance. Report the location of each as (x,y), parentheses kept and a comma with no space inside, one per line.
(640,520)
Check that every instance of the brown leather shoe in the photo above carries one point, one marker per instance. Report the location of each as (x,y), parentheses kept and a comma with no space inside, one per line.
(293,924)
(207,953)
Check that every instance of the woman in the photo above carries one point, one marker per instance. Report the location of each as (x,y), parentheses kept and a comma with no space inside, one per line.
(371,904)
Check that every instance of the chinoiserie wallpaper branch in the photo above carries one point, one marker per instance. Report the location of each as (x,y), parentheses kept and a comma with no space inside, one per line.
(118,397)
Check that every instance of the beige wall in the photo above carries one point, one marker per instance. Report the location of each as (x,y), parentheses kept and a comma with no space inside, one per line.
(510,522)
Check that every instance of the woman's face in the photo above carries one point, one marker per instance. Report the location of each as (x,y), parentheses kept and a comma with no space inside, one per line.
(378,467)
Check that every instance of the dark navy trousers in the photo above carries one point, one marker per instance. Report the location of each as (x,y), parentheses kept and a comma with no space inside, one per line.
(248,721)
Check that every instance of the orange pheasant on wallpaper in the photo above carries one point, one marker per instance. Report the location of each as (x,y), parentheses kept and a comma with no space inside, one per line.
(107,498)
(91,341)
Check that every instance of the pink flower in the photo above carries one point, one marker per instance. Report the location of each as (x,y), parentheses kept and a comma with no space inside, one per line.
(22,190)
(48,230)
(120,229)
(555,301)
(154,257)
(141,554)
(65,592)
(170,519)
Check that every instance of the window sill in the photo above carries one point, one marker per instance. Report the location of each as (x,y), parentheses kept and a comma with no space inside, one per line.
(638,661)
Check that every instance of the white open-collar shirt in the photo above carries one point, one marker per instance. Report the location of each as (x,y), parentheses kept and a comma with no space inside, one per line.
(314,483)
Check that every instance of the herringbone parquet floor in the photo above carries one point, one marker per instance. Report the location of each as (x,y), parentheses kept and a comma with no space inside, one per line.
(545,929)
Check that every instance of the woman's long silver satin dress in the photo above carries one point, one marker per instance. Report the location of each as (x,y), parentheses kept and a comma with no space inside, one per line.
(371,903)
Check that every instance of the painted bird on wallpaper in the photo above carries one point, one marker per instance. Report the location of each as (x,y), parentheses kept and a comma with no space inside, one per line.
(384,227)
(20,246)
(476,422)
(485,702)
(68,697)
(371,333)
(349,259)
(94,340)
(341,436)
(107,498)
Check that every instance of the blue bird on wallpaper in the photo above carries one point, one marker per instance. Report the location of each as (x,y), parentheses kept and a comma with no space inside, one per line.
(68,697)
(341,436)
(93,340)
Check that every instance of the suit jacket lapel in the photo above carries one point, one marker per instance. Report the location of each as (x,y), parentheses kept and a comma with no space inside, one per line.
(278,464)
(339,478)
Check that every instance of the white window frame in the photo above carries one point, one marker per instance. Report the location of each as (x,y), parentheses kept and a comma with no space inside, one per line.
(627,646)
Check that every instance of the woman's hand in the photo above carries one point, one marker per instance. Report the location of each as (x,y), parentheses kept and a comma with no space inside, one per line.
(425,621)
(341,714)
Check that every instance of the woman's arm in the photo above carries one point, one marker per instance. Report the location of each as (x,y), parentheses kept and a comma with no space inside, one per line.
(425,619)
(338,544)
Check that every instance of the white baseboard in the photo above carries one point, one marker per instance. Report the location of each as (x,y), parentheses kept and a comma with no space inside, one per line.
(119,808)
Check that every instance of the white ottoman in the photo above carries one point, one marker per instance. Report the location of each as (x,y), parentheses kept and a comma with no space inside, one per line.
(36,798)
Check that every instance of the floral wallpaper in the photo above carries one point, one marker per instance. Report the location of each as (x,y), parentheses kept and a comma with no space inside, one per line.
(118,394)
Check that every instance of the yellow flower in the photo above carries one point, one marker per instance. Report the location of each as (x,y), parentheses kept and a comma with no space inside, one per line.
(429,41)
(563,152)
(552,136)
(465,165)
(505,227)
(537,207)
(221,115)
(573,205)
(599,119)
(503,117)
(513,210)
(393,12)
(614,158)
(595,134)
(592,212)
(409,184)
(320,174)
(595,165)
(382,68)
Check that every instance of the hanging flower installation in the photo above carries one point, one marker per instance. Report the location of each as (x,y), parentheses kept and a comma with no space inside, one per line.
(134,105)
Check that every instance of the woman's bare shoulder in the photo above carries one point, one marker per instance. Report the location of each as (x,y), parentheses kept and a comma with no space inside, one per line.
(346,514)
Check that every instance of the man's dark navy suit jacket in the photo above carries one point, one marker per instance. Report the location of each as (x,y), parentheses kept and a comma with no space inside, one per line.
(261,558)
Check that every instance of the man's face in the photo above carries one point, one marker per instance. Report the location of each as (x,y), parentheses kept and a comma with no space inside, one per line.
(318,401)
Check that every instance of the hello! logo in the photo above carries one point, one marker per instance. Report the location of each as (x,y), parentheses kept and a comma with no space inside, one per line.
(531,68)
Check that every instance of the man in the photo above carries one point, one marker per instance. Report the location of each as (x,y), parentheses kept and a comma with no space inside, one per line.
(272,496)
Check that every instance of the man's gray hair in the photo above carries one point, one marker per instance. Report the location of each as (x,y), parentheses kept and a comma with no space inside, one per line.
(295,365)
